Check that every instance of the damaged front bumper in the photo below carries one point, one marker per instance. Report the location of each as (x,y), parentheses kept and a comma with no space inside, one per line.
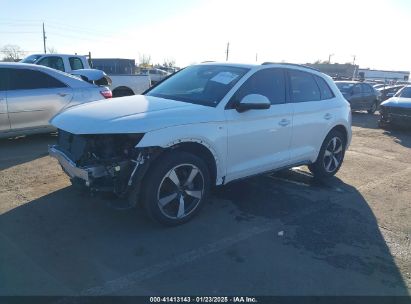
(87,174)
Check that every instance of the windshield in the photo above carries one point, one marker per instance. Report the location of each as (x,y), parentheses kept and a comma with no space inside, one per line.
(344,86)
(201,84)
(31,59)
(404,93)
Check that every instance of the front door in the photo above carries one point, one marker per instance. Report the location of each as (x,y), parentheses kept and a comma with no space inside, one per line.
(259,140)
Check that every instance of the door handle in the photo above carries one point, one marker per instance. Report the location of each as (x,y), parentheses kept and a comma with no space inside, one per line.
(62,94)
(284,122)
(328,116)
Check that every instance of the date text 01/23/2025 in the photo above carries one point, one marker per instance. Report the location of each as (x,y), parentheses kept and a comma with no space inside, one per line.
(203,300)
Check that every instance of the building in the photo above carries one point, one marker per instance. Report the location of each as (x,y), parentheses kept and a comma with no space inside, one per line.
(383,75)
(336,70)
(115,66)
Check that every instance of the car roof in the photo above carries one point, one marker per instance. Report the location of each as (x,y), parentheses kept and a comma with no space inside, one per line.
(348,81)
(21,65)
(265,65)
(62,55)
(58,74)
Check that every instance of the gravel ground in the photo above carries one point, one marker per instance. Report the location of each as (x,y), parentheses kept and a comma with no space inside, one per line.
(278,234)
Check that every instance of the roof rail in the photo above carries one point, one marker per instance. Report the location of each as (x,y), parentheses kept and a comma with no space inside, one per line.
(292,64)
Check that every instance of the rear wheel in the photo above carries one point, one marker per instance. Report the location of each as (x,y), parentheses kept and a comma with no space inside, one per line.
(330,157)
(373,108)
(175,188)
(122,91)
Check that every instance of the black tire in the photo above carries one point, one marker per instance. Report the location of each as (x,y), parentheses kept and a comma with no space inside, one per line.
(325,165)
(374,107)
(122,91)
(170,198)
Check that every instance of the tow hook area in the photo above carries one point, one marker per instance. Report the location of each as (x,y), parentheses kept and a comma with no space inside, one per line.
(124,202)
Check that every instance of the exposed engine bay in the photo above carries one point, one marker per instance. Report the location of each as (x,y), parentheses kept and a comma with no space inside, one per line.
(103,162)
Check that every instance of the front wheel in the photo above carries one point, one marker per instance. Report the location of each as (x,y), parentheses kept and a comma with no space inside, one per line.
(175,188)
(330,157)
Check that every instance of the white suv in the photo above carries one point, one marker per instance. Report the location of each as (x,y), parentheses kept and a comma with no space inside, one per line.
(209,124)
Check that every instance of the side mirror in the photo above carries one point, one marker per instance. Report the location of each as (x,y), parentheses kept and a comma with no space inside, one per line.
(253,102)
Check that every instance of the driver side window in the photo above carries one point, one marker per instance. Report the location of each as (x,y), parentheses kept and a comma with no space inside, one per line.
(268,82)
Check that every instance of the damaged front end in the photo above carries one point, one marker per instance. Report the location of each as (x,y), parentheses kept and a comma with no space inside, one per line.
(102,162)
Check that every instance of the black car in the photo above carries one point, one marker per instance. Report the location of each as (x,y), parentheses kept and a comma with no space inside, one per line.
(361,96)
(397,110)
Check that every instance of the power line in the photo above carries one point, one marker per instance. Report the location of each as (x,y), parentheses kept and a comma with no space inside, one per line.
(17,32)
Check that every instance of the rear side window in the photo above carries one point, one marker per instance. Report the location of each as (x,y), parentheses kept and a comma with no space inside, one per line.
(21,79)
(268,82)
(303,87)
(357,89)
(53,62)
(366,88)
(325,90)
(76,63)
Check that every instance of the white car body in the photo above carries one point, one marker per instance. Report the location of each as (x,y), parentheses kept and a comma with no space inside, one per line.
(242,144)
(27,111)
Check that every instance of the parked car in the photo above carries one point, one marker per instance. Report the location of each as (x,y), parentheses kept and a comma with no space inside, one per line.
(156,75)
(208,124)
(121,85)
(397,110)
(361,96)
(389,91)
(379,85)
(31,95)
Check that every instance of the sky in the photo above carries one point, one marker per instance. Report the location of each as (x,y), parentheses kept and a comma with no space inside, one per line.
(190,31)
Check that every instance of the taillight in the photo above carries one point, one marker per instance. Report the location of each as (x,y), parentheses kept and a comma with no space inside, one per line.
(106,93)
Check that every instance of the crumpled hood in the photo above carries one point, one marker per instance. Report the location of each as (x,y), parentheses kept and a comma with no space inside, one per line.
(132,114)
(397,102)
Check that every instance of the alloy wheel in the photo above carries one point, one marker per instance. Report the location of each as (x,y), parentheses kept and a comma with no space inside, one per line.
(333,155)
(180,191)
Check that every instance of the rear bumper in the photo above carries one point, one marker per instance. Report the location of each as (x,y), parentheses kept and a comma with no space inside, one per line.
(87,174)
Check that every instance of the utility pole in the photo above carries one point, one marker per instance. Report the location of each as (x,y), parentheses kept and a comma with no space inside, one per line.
(329,58)
(44,40)
(256,57)
(353,63)
(228,50)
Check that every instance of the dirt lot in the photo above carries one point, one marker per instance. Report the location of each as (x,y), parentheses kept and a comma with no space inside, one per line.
(280,234)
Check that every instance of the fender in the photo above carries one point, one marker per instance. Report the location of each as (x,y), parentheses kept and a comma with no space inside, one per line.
(212,136)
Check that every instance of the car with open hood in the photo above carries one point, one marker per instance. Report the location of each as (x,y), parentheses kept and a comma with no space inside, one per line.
(206,125)
(397,110)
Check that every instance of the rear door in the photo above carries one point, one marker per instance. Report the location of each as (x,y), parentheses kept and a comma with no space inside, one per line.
(356,99)
(4,117)
(34,97)
(368,96)
(314,109)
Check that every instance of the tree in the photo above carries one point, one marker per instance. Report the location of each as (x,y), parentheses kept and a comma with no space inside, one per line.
(145,60)
(11,52)
(52,50)
(169,62)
